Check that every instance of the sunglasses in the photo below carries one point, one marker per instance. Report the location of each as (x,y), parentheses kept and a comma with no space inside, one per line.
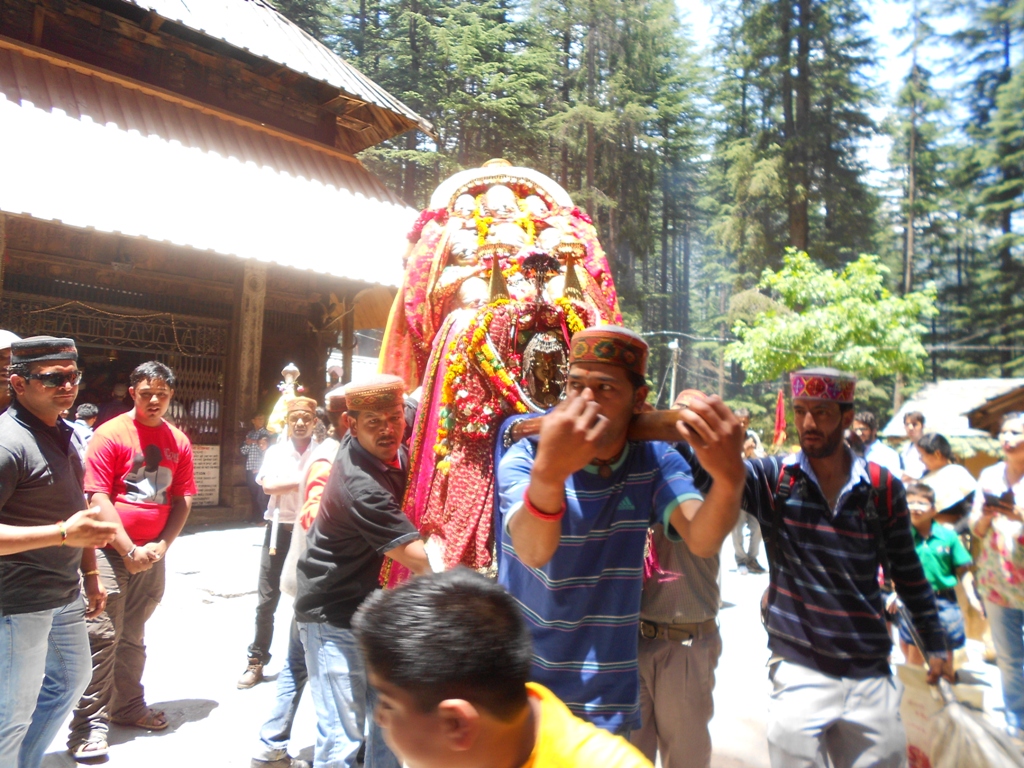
(54,380)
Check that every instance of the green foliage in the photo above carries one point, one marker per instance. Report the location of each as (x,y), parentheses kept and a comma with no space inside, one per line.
(847,320)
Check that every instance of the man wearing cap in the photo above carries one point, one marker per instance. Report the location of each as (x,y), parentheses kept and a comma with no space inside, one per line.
(6,339)
(829,526)
(360,520)
(575,506)
(281,474)
(275,735)
(45,535)
(139,472)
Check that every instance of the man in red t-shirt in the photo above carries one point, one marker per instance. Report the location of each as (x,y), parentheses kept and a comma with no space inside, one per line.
(138,471)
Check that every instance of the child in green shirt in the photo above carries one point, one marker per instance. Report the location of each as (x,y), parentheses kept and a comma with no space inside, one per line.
(945,561)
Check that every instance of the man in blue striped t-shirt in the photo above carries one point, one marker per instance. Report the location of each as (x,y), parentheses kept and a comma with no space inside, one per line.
(834,696)
(575,508)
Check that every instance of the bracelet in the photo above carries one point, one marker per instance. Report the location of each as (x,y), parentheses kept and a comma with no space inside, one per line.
(63,530)
(127,555)
(551,517)
(91,573)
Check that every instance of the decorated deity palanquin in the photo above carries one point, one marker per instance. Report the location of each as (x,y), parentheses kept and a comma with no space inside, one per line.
(501,270)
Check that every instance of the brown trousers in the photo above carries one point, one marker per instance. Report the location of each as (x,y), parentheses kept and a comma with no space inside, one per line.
(117,642)
(676,686)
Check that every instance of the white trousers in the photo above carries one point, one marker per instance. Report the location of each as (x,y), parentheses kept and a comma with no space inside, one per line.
(816,720)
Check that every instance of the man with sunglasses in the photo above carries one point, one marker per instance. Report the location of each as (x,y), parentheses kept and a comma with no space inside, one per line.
(45,536)
(284,465)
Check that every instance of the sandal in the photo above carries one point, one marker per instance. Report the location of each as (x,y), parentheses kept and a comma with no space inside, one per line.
(87,750)
(153,720)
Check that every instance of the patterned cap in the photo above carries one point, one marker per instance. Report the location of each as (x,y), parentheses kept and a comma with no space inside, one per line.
(377,393)
(7,338)
(40,349)
(335,400)
(823,384)
(612,345)
(301,404)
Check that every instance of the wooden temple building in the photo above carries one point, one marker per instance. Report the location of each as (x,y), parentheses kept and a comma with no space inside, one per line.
(179,183)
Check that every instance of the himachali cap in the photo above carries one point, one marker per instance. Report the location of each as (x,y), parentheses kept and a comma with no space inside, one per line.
(41,349)
(612,345)
(335,400)
(301,404)
(378,393)
(823,384)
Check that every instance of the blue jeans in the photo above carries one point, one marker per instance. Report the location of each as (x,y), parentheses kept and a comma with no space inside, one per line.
(277,731)
(338,680)
(378,754)
(1008,636)
(44,667)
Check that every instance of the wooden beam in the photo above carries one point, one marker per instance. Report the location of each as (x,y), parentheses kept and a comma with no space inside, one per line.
(170,96)
(38,20)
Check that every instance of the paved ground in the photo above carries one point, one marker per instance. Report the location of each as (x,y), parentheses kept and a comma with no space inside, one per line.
(197,641)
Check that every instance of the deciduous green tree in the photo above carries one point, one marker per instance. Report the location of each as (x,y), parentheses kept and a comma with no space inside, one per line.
(845,319)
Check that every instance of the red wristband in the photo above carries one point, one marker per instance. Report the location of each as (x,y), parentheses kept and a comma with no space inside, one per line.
(540,515)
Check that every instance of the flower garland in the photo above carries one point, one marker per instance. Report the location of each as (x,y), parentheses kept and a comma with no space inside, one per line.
(483,223)
(572,318)
(474,417)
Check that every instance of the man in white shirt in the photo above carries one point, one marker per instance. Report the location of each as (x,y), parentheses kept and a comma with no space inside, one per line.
(865,425)
(913,466)
(284,465)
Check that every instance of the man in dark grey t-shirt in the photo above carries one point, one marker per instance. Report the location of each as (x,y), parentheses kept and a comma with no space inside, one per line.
(45,536)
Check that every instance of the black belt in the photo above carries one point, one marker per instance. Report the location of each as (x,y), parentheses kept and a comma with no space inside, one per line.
(677,633)
(946,594)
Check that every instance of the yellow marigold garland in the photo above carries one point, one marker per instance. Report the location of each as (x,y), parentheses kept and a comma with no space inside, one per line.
(572,319)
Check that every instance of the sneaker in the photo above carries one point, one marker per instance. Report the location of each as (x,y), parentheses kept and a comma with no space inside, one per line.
(755,567)
(284,762)
(743,569)
(252,675)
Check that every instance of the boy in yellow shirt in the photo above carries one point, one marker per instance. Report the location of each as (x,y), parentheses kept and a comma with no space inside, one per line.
(449,656)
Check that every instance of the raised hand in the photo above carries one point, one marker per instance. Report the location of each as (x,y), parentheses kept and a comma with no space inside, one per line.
(570,437)
(716,436)
(84,529)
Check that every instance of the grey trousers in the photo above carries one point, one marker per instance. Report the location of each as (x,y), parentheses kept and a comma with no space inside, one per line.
(816,720)
(117,643)
(676,703)
(754,545)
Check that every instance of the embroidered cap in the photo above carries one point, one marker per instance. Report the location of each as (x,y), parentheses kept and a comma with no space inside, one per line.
(40,349)
(823,384)
(612,345)
(378,393)
(302,404)
(335,400)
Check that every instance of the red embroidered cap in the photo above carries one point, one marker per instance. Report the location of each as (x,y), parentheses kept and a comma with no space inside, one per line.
(823,384)
(612,345)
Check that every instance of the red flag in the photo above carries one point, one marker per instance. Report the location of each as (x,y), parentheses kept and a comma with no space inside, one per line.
(780,421)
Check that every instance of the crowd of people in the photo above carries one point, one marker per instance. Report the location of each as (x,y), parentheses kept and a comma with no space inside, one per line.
(597,642)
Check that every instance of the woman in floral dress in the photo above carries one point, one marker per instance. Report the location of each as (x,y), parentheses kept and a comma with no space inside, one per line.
(1000,577)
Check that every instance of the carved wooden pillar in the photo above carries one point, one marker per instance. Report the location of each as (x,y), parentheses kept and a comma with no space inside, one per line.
(348,340)
(250,340)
